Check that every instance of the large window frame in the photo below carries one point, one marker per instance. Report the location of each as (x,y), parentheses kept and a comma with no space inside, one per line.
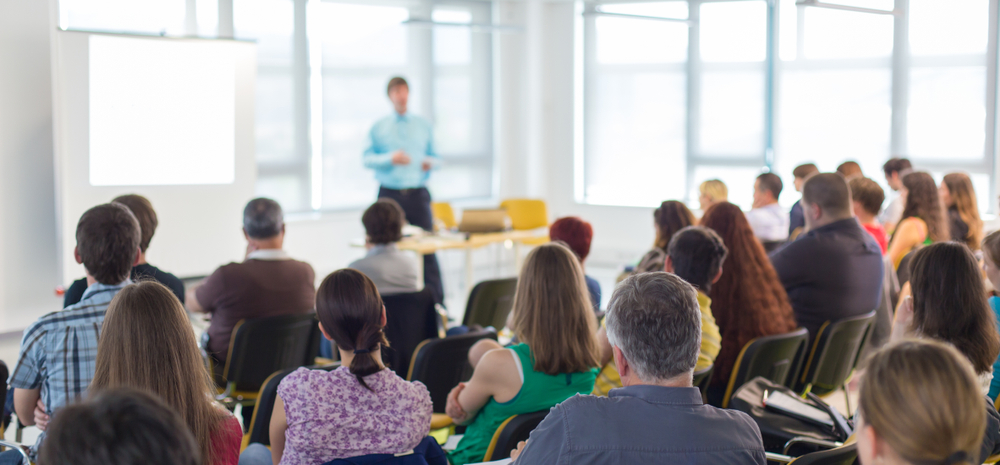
(900,63)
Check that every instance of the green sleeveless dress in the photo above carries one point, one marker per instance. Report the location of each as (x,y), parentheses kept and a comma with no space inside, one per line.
(539,391)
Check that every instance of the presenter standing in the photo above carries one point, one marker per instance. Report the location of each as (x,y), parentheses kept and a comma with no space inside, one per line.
(402,154)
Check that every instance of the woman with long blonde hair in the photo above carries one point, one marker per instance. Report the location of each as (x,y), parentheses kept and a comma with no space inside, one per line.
(556,358)
(147,344)
(959,197)
(920,404)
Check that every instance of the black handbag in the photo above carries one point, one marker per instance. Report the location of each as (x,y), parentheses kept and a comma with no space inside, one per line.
(776,427)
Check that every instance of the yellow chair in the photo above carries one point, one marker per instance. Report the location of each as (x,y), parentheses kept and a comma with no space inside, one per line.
(514,429)
(527,214)
(442,211)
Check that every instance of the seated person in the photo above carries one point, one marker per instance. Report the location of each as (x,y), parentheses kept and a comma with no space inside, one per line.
(58,352)
(959,197)
(991,259)
(710,193)
(146,324)
(392,270)
(796,220)
(768,220)
(897,424)
(895,169)
(653,323)
(119,427)
(556,358)
(833,271)
(577,234)
(672,216)
(143,211)
(360,408)
(867,197)
(695,255)
(267,283)
(923,219)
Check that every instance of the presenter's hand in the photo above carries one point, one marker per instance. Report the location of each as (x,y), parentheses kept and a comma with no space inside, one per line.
(426,165)
(400,158)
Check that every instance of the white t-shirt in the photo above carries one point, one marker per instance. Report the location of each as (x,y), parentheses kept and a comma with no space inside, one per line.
(769,223)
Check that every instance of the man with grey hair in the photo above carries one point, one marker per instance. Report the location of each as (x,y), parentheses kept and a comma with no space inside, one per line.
(654,326)
(267,283)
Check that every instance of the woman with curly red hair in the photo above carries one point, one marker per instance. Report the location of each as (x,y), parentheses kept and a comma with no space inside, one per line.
(748,301)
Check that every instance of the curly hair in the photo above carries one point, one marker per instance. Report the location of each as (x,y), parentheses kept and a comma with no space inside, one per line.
(748,301)
(922,202)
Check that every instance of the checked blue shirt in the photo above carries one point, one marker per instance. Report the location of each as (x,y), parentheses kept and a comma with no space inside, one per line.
(59,351)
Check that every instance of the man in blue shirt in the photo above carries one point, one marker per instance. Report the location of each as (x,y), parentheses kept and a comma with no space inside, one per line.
(401,152)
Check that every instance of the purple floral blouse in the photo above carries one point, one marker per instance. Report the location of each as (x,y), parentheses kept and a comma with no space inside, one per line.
(332,416)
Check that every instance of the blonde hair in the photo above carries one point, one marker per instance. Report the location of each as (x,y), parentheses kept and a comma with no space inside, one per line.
(964,196)
(147,344)
(922,398)
(715,189)
(552,311)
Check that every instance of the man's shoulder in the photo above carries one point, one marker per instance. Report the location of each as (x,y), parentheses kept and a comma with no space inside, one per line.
(79,313)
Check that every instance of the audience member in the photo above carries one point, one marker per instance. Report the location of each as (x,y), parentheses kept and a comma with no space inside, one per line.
(267,283)
(923,221)
(867,198)
(555,359)
(143,211)
(850,170)
(919,405)
(795,219)
(712,192)
(991,259)
(392,270)
(147,344)
(695,255)
(672,216)
(577,234)
(768,220)
(895,169)
(360,408)
(658,417)
(119,427)
(834,271)
(56,362)
(748,301)
(949,303)
(959,197)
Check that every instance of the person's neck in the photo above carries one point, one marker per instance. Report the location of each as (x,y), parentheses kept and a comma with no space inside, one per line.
(347,357)
(825,221)
(142,259)
(766,203)
(865,218)
(267,244)
(400,112)
(681,381)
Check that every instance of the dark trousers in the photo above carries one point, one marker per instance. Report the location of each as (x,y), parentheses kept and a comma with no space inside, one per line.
(416,204)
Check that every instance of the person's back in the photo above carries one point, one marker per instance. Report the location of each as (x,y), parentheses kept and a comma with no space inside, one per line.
(392,270)
(658,417)
(56,360)
(268,283)
(834,271)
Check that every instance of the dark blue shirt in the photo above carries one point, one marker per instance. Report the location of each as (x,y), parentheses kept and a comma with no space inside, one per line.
(643,425)
(139,273)
(796,218)
(831,273)
(594,288)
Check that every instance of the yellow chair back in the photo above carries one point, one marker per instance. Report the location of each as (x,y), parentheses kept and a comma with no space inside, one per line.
(442,211)
(526,214)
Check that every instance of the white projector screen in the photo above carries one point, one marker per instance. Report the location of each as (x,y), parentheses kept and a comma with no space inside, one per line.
(161,112)
(169,119)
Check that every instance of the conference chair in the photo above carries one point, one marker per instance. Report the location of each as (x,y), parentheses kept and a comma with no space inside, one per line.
(702,379)
(490,302)
(262,346)
(513,430)
(441,364)
(410,319)
(259,427)
(443,212)
(835,353)
(842,455)
(527,214)
(773,357)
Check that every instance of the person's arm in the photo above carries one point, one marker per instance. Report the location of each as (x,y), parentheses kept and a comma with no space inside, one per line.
(910,233)
(496,375)
(191,300)
(25,401)
(374,157)
(278,426)
(201,297)
(604,345)
(546,442)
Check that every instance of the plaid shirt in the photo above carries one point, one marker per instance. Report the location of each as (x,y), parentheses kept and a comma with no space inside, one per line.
(59,351)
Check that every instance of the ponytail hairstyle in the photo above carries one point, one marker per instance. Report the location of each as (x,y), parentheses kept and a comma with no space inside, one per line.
(350,309)
(922,398)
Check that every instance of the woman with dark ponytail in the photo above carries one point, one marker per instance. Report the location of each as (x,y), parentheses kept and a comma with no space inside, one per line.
(360,408)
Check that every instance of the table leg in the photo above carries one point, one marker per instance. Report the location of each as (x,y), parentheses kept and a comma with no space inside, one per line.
(468,271)
(518,261)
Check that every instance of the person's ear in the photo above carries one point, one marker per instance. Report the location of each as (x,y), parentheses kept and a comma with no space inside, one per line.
(138,257)
(384,320)
(718,276)
(624,369)
(325,334)
(76,255)
(245,235)
(815,212)
(668,264)
(282,229)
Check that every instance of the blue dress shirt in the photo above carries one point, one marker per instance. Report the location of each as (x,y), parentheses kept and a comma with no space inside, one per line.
(409,133)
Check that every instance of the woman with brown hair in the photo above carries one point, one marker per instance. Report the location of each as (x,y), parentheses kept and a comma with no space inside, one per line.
(147,344)
(920,404)
(959,197)
(748,301)
(948,303)
(923,221)
(672,216)
(556,358)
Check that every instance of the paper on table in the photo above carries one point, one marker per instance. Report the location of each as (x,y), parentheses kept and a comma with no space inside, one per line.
(452,442)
